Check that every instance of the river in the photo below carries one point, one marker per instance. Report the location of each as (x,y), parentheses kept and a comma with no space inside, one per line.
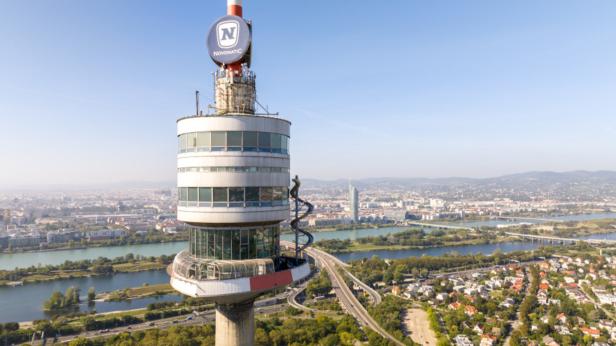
(24,303)
(10,261)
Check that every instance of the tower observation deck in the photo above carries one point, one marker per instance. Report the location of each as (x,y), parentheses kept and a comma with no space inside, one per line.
(233,192)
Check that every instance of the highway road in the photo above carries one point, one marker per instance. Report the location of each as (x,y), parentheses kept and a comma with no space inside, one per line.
(346,298)
(317,254)
(292,299)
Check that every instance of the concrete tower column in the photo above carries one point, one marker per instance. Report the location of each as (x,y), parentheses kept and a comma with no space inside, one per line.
(235,324)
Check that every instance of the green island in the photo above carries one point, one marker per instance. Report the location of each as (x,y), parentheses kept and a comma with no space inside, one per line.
(414,238)
(136,292)
(83,268)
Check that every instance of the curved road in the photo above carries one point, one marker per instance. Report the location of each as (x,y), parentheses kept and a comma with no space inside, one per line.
(292,299)
(318,254)
(348,301)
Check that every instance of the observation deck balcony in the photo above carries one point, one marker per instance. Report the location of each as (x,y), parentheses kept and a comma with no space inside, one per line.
(228,281)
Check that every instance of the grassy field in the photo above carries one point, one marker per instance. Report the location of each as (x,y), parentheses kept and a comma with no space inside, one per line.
(358,247)
(138,266)
(137,292)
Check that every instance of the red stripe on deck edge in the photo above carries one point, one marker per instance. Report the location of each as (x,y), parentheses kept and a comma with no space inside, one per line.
(268,281)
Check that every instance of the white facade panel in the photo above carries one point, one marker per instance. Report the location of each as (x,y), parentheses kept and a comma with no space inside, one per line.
(232,179)
(233,123)
(232,159)
(232,215)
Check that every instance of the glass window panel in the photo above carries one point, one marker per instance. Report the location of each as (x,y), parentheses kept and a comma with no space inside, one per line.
(219,140)
(244,251)
(227,245)
(192,194)
(218,245)
(182,143)
(205,194)
(252,245)
(276,146)
(235,243)
(264,141)
(234,140)
(250,141)
(211,242)
(236,196)
(284,143)
(183,194)
(203,140)
(191,141)
(266,195)
(252,196)
(220,196)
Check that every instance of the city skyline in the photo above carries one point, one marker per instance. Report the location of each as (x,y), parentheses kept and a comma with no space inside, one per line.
(91,91)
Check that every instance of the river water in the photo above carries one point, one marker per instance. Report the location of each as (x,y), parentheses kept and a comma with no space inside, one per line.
(24,303)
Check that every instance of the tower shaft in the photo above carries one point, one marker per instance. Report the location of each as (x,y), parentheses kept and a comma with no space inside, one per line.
(235,324)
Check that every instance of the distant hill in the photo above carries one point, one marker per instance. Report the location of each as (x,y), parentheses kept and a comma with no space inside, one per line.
(518,179)
(574,185)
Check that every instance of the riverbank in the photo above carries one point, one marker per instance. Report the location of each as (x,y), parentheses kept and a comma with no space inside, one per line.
(93,245)
(81,269)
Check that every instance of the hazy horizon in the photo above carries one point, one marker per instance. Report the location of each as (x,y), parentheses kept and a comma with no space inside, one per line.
(172,183)
(90,91)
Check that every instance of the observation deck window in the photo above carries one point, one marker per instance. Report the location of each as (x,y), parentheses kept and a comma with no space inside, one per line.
(203,141)
(233,197)
(219,140)
(265,142)
(205,196)
(234,244)
(220,196)
(234,141)
(249,141)
(236,197)
(193,196)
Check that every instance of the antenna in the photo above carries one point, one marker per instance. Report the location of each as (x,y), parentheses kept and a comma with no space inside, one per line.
(197,102)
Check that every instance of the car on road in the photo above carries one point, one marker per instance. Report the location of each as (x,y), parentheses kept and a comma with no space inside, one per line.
(151,324)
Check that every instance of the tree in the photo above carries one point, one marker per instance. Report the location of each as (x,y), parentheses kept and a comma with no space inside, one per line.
(11,326)
(91,294)
(261,338)
(330,340)
(55,302)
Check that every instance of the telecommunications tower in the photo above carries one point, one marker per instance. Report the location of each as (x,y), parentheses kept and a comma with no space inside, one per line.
(233,192)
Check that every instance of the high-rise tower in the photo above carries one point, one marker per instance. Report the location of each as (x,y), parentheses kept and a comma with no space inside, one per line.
(354,203)
(233,189)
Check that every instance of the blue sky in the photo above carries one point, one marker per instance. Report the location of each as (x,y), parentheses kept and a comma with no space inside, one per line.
(90,90)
